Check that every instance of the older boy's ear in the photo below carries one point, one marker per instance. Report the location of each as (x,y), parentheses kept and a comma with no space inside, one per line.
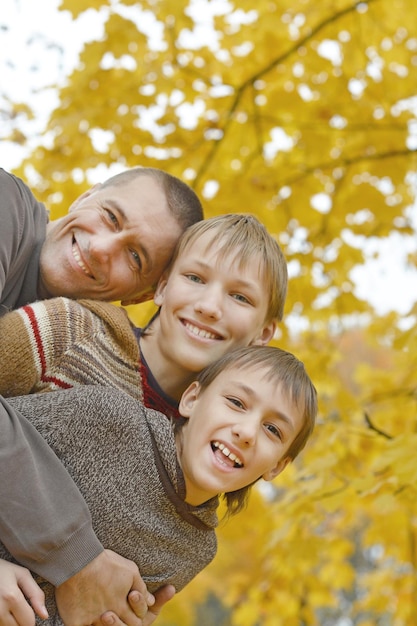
(159,294)
(188,399)
(265,335)
(273,473)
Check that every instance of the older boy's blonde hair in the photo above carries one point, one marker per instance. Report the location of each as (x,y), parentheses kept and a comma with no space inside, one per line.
(282,369)
(245,237)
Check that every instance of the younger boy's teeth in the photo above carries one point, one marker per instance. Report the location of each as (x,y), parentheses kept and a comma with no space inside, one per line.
(227,453)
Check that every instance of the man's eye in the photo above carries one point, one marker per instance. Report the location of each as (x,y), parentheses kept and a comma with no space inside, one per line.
(136,258)
(113,219)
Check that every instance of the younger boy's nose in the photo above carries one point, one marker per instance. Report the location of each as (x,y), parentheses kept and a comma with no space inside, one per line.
(245,432)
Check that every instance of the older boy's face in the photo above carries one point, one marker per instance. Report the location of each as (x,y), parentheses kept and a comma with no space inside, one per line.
(210,305)
(239,429)
(114,243)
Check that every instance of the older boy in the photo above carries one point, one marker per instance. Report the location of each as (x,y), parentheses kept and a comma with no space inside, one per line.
(152,487)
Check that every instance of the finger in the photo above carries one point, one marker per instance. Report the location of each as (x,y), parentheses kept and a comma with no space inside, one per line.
(162,596)
(111,619)
(35,596)
(139,603)
(17,612)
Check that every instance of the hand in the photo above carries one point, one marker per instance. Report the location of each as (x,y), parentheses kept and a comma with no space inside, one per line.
(162,596)
(102,586)
(17,589)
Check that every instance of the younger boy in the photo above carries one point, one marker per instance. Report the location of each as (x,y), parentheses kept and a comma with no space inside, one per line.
(152,486)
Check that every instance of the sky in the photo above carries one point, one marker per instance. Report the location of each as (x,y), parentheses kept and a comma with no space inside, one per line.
(40,45)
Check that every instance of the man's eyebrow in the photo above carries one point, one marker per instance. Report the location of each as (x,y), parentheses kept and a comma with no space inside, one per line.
(114,204)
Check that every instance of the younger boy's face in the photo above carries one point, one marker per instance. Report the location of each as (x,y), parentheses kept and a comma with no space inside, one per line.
(239,429)
(209,306)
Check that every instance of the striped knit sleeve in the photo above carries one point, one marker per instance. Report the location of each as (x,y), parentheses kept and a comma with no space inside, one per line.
(18,370)
(33,340)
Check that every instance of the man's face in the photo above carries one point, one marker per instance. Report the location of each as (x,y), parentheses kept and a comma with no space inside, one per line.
(113,245)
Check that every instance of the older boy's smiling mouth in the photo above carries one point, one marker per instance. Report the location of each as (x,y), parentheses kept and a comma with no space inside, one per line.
(77,257)
(236,461)
(200,332)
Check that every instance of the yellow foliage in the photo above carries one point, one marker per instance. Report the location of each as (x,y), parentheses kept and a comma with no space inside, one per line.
(263,120)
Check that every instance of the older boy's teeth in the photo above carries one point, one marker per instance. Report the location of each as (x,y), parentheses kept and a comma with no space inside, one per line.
(199,332)
(79,261)
(227,453)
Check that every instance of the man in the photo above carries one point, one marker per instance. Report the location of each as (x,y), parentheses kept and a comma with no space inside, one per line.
(113,244)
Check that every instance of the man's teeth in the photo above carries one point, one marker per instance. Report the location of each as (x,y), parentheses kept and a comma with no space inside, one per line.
(79,261)
(227,453)
(199,332)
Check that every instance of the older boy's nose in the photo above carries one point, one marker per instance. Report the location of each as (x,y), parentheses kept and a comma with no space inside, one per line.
(209,304)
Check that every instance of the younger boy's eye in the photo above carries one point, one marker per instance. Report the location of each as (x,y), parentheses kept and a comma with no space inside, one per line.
(274,431)
(238,403)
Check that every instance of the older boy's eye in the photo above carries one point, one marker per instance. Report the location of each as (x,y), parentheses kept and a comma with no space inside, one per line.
(240,298)
(194,278)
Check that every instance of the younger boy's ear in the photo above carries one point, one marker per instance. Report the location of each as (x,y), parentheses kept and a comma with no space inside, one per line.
(273,473)
(266,334)
(188,399)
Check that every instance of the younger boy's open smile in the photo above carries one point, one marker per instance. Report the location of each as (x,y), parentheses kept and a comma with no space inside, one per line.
(233,460)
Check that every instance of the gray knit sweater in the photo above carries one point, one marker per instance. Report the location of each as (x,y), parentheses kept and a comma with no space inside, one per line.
(123,458)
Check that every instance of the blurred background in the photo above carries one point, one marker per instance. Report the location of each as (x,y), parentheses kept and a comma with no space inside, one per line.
(305,114)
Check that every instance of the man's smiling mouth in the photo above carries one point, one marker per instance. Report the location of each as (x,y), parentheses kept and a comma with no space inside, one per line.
(78,259)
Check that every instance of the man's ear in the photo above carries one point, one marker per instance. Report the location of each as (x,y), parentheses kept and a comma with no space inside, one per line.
(189,398)
(87,193)
(273,473)
(145,296)
(266,334)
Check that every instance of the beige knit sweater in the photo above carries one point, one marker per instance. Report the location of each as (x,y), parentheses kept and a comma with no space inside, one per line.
(58,343)
(123,458)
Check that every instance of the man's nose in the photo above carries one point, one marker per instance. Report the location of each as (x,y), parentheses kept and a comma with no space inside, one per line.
(104,245)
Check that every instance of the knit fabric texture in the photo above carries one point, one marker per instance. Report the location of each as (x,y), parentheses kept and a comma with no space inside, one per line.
(59,343)
(123,458)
